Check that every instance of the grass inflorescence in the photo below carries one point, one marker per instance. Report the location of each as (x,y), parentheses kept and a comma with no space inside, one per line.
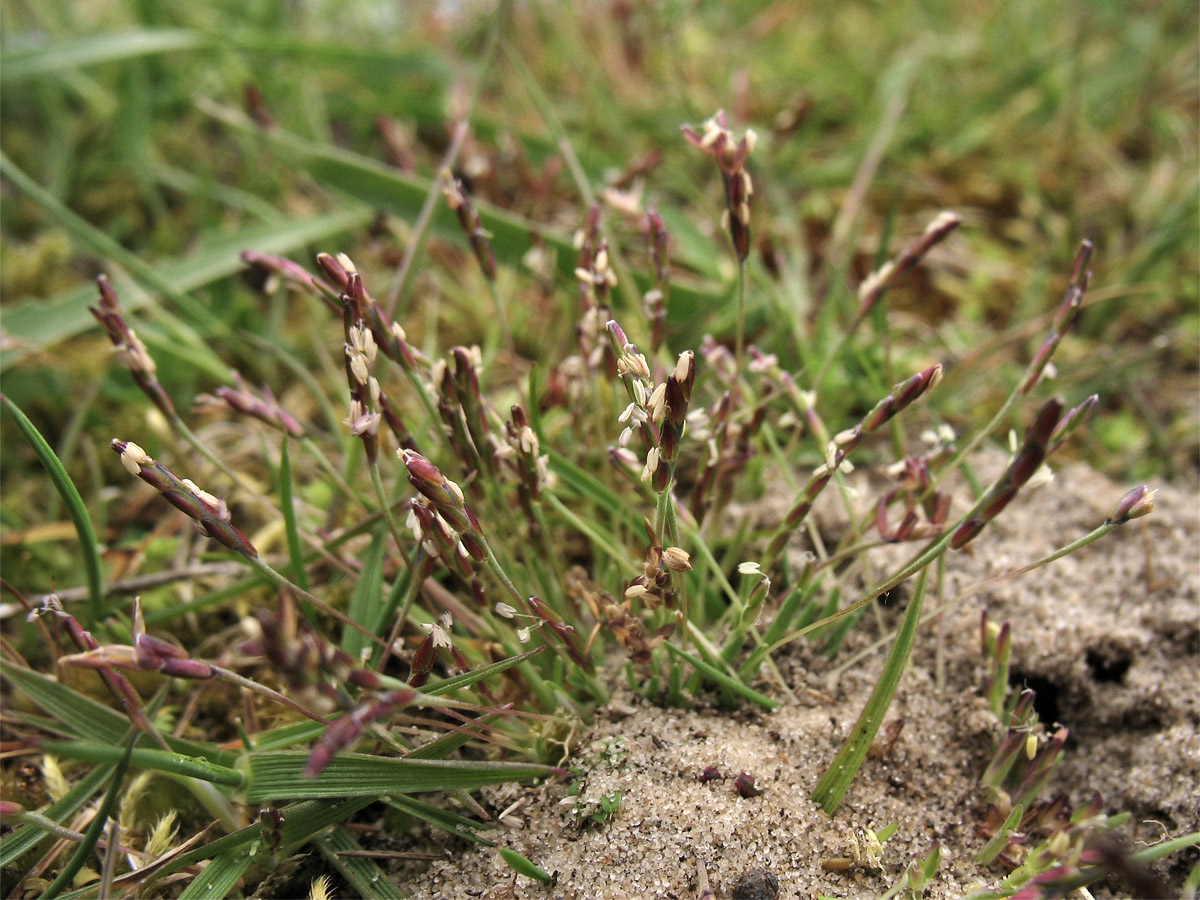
(456,532)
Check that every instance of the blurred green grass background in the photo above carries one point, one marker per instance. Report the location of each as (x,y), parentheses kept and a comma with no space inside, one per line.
(1039,123)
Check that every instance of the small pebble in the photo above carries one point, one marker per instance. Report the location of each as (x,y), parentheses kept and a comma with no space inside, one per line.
(757,884)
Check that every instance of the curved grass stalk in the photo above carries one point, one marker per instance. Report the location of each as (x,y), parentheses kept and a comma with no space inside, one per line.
(1067,549)
(833,784)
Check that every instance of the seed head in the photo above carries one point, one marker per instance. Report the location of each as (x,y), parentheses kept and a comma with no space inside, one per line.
(133,457)
(677,559)
(1135,504)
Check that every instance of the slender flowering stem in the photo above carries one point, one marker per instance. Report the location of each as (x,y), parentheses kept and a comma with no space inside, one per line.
(149,655)
(740,340)
(281,581)
(1027,461)
(841,446)
(730,154)
(1110,525)
(117,683)
(365,393)
(390,337)
(1024,464)
(212,519)
(144,371)
(459,201)
(1067,310)
(875,287)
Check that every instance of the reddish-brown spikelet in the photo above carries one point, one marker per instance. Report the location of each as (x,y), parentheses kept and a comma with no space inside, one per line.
(1031,455)
(130,347)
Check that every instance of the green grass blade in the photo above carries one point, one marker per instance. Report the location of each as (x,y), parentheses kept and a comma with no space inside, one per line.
(1166,848)
(586,485)
(288,735)
(366,603)
(361,873)
(836,780)
(84,850)
(145,758)
(279,774)
(400,193)
(465,680)
(421,62)
(83,231)
(448,821)
(288,505)
(89,546)
(446,744)
(300,822)
(523,866)
(33,325)
(219,877)
(51,59)
(79,715)
(15,845)
(82,717)
(725,681)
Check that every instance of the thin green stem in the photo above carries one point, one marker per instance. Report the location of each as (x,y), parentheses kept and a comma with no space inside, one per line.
(263,690)
(497,570)
(385,505)
(280,581)
(502,315)
(740,290)
(1066,550)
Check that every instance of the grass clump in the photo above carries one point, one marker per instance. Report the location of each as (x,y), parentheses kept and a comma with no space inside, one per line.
(448,553)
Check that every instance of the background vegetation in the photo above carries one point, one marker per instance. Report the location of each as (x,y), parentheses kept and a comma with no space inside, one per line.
(154,141)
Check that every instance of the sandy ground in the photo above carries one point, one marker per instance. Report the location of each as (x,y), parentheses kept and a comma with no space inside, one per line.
(1109,637)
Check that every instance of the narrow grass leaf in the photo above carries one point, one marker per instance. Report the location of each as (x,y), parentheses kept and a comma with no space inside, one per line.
(465,680)
(79,715)
(34,325)
(301,821)
(403,195)
(724,680)
(836,780)
(522,866)
(999,840)
(288,735)
(451,822)
(92,238)
(82,717)
(89,546)
(446,744)
(585,485)
(280,774)
(421,61)
(52,58)
(288,505)
(84,850)
(1166,848)
(147,758)
(219,877)
(366,603)
(362,874)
